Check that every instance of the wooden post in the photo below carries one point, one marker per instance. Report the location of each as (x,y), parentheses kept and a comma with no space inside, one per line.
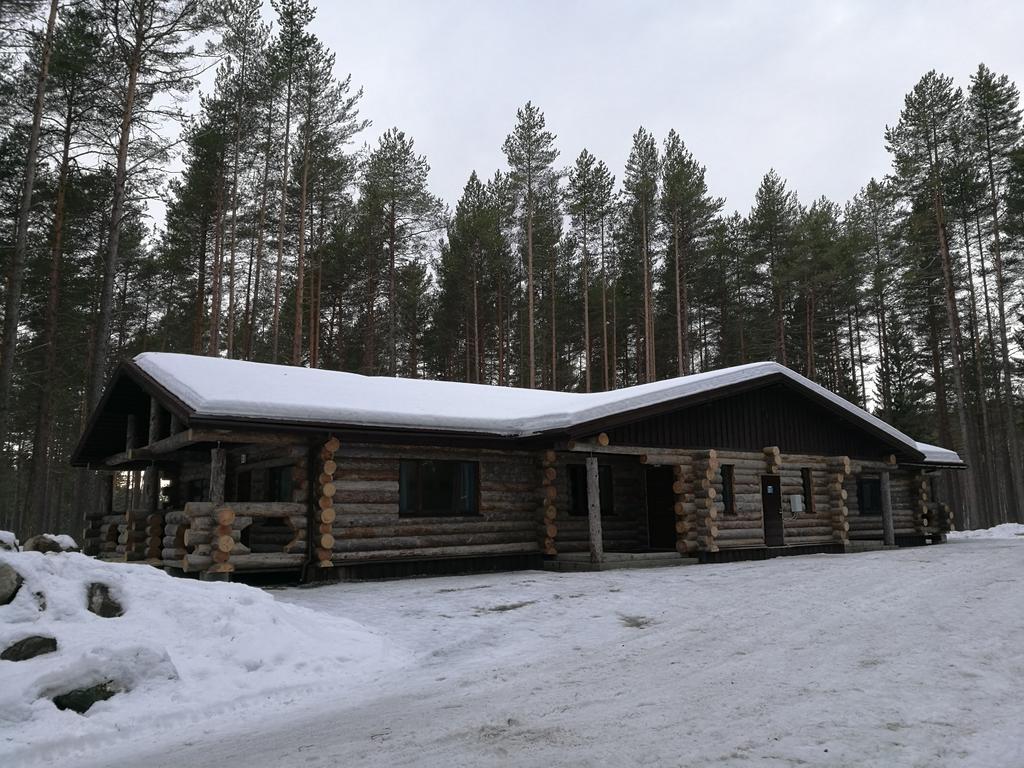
(154,420)
(130,433)
(218,473)
(594,509)
(151,483)
(887,525)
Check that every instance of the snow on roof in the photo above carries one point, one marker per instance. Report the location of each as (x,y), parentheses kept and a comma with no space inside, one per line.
(938,455)
(216,387)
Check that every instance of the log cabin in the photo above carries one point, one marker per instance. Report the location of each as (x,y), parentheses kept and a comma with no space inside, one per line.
(224,467)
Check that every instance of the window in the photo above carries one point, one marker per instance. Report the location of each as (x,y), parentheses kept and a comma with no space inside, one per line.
(279,483)
(869,495)
(578,490)
(197,490)
(728,488)
(808,481)
(243,486)
(435,488)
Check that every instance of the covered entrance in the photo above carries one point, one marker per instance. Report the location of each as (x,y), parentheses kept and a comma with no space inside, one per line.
(771,506)
(661,518)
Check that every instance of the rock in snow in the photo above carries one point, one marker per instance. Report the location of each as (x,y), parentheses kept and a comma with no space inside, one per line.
(102,603)
(8,542)
(10,583)
(28,648)
(51,542)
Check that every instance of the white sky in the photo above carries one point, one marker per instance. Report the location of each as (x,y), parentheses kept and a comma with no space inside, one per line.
(804,87)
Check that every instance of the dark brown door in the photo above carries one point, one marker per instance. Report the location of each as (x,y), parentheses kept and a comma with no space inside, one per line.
(771,504)
(661,516)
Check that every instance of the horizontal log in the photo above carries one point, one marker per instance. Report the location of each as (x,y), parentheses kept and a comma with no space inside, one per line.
(267,560)
(725,534)
(800,533)
(739,543)
(666,459)
(436,552)
(193,562)
(506,487)
(441,540)
(199,508)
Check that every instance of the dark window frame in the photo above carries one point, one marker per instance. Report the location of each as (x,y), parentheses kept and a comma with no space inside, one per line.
(577,478)
(728,472)
(807,480)
(279,482)
(415,466)
(875,486)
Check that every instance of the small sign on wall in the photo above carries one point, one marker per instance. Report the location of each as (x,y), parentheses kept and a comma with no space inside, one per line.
(796,503)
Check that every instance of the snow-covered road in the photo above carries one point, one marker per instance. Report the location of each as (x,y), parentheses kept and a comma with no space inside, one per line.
(906,658)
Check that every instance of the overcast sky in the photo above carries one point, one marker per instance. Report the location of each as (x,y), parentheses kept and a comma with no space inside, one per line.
(804,87)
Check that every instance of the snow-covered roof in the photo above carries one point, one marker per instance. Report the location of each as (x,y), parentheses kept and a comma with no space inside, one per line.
(214,387)
(935,454)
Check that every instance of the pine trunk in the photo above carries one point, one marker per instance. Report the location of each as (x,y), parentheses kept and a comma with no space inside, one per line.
(16,267)
(282,214)
(1009,411)
(40,501)
(217,279)
(261,219)
(529,289)
(392,293)
(102,338)
(301,257)
(952,316)
(604,313)
(585,278)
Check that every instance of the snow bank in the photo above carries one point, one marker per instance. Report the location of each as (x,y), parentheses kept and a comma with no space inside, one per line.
(181,647)
(1004,531)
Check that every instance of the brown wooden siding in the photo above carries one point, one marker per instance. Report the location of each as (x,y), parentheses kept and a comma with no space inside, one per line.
(773,415)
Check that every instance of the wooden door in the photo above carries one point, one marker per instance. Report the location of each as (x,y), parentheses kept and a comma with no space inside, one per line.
(661,516)
(771,505)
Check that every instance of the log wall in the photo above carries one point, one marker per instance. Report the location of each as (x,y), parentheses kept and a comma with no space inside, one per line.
(367,526)
(907,514)
(625,529)
(744,527)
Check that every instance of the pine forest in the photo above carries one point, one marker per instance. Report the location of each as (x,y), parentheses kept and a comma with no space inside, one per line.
(288,237)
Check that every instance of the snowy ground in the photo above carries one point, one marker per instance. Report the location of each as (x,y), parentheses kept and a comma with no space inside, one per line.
(896,658)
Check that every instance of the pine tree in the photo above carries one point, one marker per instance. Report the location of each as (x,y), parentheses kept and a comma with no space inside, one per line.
(687,211)
(395,190)
(16,266)
(74,88)
(530,151)
(588,198)
(994,116)
(329,119)
(287,53)
(640,183)
(921,144)
(771,228)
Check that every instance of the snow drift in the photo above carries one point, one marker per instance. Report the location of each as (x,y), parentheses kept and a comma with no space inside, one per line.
(1004,531)
(180,646)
